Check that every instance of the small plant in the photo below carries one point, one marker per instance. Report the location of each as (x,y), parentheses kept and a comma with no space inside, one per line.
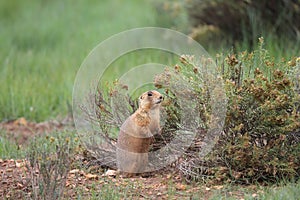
(9,149)
(50,160)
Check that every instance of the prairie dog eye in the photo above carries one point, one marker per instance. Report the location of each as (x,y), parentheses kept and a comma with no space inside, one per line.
(150,94)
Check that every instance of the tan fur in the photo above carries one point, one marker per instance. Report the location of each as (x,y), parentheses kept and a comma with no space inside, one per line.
(136,134)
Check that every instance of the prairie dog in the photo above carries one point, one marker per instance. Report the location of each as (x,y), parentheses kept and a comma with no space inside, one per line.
(136,134)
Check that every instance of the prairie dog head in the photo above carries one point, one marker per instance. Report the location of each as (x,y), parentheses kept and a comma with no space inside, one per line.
(150,100)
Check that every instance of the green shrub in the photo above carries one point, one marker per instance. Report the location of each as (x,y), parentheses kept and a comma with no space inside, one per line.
(247,19)
(171,14)
(262,127)
(261,134)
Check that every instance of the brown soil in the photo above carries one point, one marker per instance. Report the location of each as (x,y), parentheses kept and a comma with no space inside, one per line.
(15,183)
(20,130)
(16,178)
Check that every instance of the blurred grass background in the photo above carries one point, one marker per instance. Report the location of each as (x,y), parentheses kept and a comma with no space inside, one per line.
(43,43)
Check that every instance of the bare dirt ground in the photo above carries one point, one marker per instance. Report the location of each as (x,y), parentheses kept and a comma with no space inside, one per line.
(16,178)
(16,184)
(21,130)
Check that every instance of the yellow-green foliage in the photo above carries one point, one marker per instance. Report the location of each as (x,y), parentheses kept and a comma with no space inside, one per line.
(261,134)
(262,128)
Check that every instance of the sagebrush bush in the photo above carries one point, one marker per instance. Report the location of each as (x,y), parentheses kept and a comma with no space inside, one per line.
(262,128)
(261,134)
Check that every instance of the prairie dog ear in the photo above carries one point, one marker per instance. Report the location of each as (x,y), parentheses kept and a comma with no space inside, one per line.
(140,100)
(150,94)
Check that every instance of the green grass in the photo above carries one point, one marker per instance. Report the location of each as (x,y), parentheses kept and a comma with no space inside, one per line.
(278,48)
(291,191)
(288,191)
(9,149)
(44,43)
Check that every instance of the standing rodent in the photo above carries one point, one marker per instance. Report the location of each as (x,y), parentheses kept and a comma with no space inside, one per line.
(136,134)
